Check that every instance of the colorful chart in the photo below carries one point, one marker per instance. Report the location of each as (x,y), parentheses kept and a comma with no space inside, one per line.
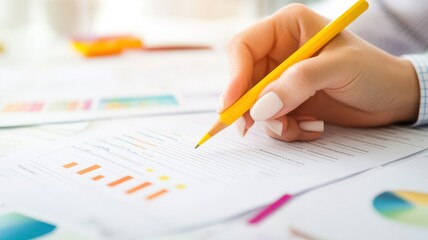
(49,106)
(138,102)
(69,106)
(403,206)
(16,226)
(149,189)
(23,107)
(79,105)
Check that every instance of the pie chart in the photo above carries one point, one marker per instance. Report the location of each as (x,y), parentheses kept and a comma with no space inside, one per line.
(403,206)
(19,227)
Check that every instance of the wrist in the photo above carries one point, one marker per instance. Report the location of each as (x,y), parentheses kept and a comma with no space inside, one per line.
(408,92)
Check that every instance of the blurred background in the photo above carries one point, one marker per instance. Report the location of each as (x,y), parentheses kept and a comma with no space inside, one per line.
(32,28)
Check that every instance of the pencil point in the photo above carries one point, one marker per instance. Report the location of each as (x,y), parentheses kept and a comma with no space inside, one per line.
(244,132)
(197,146)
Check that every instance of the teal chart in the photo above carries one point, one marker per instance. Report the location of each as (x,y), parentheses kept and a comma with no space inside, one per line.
(403,206)
(17,226)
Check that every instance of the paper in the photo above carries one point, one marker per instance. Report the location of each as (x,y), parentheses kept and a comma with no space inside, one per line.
(25,224)
(23,112)
(390,203)
(15,139)
(149,179)
(144,84)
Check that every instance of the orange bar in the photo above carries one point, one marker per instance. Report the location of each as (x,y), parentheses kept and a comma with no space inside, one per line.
(119,181)
(89,169)
(69,165)
(156,194)
(138,187)
(98,177)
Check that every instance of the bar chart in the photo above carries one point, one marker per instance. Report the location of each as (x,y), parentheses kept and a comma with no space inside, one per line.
(149,190)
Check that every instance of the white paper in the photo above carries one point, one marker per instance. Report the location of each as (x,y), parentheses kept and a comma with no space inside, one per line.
(350,213)
(16,139)
(142,84)
(32,111)
(225,176)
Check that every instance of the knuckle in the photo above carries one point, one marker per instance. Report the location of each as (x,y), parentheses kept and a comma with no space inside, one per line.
(302,77)
(294,9)
(233,41)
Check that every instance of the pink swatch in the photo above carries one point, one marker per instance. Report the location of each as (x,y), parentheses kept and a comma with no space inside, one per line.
(270,209)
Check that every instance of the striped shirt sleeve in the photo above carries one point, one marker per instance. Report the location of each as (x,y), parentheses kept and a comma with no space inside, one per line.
(420,62)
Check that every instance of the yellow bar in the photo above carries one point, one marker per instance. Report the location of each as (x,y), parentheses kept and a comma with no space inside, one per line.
(119,181)
(89,169)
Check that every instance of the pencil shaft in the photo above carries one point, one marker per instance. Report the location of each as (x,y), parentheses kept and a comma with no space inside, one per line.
(308,49)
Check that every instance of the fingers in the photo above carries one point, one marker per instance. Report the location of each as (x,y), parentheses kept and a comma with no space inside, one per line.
(258,50)
(298,84)
(291,128)
(244,51)
(243,124)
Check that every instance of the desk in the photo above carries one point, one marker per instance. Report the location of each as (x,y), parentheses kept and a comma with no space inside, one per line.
(128,70)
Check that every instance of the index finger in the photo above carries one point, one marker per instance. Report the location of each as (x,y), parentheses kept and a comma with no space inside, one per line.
(244,50)
(256,51)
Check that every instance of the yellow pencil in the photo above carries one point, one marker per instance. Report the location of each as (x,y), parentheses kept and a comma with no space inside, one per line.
(307,50)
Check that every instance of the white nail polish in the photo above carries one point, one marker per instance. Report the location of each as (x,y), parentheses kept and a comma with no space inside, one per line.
(275,126)
(240,124)
(266,107)
(220,104)
(312,126)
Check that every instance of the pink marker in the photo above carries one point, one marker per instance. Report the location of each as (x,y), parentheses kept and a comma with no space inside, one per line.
(270,209)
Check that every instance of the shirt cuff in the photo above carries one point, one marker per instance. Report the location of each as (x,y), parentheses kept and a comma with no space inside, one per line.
(420,63)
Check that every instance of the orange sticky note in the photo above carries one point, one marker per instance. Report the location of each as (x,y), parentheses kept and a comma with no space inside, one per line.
(104,46)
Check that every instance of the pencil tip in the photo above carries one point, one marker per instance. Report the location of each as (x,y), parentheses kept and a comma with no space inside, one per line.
(197,146)
(245,132)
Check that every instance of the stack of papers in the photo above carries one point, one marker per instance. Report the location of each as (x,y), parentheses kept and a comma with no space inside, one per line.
(146,178)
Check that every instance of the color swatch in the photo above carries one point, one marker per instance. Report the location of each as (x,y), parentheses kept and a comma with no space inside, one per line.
(403,206)
(69,106)
(79,105)
(48,106)
(23,107)
(16,226)
(137,102)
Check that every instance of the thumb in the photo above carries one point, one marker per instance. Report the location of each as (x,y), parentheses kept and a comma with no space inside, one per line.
(295,86)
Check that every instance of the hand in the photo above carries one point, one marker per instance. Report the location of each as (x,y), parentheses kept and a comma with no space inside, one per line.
(349,82)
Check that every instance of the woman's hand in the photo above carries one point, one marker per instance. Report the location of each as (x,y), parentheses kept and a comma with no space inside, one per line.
(349,82)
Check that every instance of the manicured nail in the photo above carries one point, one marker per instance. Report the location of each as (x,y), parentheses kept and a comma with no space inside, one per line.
(275,126)
(220,104)
(312,126)
(240,124)
(266,107)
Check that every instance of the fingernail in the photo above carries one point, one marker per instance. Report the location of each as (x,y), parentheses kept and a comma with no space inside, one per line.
(275,126)
(240,124)
(266,107)
(220,104)
(312,126)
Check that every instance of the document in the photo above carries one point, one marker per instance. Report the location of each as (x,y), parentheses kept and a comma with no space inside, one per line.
(146,178)
(16,139)
(150,84)
(32,111)
(387,203)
